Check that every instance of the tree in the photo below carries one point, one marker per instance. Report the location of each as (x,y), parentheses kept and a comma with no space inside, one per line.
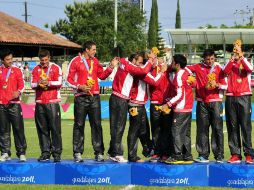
(178,16)
(160,43)
(95,21)
(153,26)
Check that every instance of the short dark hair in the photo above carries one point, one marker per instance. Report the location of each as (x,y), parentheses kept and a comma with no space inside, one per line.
(4,53)
(131,57)
(43,53)
(208,52)
(88,45)
(180,59)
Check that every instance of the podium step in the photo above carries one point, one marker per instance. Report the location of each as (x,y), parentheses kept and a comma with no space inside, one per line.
(90,172)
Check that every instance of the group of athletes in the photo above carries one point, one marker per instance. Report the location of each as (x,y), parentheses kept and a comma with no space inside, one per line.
(139,78)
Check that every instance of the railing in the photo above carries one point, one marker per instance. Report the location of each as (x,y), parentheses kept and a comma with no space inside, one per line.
(105,88)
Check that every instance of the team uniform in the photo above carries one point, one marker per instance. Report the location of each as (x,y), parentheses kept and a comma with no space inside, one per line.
(160,122)
(238,108)
(79,71)
(47,110)
(181,102)
(139,124)
(118,104)
(11,80)
(209,111)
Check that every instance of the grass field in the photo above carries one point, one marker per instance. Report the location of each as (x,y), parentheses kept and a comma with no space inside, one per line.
(33,151)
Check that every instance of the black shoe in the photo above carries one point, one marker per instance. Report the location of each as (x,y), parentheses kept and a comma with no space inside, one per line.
(57,158)
(136,159)
(219,159)
(99,158)
(44,158)
(148,153)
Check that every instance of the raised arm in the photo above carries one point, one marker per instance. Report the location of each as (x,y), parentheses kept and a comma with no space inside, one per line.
(136,70)
(153,81)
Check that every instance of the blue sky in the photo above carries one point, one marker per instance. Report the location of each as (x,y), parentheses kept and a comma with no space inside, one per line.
(194,13)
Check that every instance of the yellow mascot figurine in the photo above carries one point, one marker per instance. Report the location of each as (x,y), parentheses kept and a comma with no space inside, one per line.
(43,77)
(191,79)
(155,50)
(159,108)
(238,43)
(211,77)
(90,82)
(133,111)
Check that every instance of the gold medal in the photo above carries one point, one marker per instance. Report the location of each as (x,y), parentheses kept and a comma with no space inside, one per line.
(239,80)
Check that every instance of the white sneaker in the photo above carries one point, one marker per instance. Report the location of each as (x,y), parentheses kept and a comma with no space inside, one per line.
(5,157)
(120,159)
(77,157)
(22,158)
(112,158)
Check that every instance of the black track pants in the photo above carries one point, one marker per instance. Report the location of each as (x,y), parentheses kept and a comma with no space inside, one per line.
(210,114)
(161,131)
(118,108)
(91,106)
(48,124)
(137,129)
(181,133)
(238,118)
(11,115)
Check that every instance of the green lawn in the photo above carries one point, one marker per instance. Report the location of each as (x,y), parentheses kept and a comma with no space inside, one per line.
(33,150)
(67,125)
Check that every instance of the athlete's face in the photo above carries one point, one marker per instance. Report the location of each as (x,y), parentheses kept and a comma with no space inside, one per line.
(209,60)
(44,61)
(174,66)
(139,61)
(91,52)
(7,60)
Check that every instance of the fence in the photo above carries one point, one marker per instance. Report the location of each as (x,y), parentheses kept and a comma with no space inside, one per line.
(105,88)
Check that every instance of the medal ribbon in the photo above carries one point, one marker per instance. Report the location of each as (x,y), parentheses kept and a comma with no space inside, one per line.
(212,69)
(8,75)
(48,71)
(89,70)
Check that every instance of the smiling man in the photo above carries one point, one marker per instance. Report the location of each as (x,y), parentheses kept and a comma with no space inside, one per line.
(46,81)
(11,87)
(84,71)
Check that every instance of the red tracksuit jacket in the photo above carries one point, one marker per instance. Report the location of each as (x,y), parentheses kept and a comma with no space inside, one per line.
(52,94)
(239,77)
(159,94)
(139,91)
(202,70)
(78,74)
(181,92)
(15,83)
(123,80)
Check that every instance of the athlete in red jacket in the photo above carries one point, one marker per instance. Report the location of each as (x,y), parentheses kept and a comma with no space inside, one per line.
(118,102)
(46,80)
(139,124)
(83,73)
(160,122)
(238,107)
(11,87)
(181,102)
(210,83)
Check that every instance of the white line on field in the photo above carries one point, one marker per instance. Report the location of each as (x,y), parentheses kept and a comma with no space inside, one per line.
(128,187)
